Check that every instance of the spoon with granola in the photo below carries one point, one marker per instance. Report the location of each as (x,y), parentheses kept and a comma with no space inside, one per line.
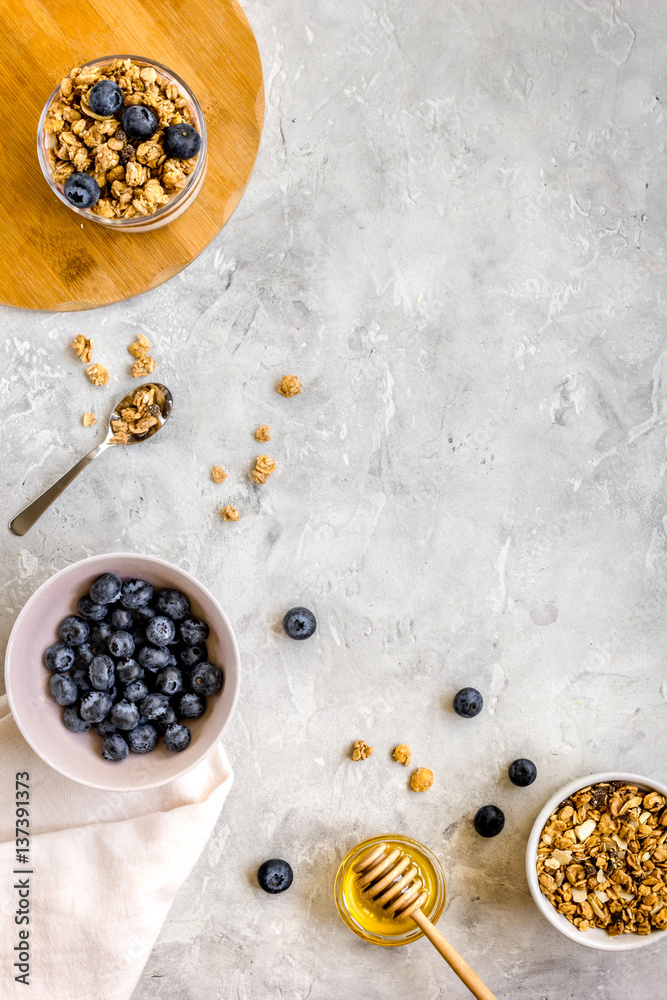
(136,417)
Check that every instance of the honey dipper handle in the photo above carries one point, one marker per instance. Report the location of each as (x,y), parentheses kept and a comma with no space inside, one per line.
(452,957)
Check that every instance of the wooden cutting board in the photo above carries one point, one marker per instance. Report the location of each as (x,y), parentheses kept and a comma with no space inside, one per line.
(48,260)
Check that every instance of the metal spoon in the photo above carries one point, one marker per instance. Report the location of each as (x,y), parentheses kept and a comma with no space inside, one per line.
(164,402)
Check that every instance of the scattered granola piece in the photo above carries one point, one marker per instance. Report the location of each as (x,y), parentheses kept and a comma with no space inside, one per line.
(218,473)
(140,348)
(361,750)
(89,419)
(263,433)
(289,386)
(421,779)
(403,754)
(83,348)
(264,467)
(230,513)
(98,374)
(143,366)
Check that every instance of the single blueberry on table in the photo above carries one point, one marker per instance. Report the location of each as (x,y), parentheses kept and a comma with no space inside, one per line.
(106,589)
(169,718)
(95,705)
(84,655)
(105,98)
(144,614)
(154,705)
(193,631)
(191,706)
(299,623)
(169,681)
(121,619)
(63,689)
(172,603)
(489,821)
(135,691)
(81,679)
(99,634)
(128,670)
(182,141)
(138,122)
(135,593)
(73,630)
(93,612)
(101,672)
(468,703)
(522,772)
(275,875)
(206,679)
(81,190)
(105,727)
(59,657)
(153,658)
(73,720)
(190,655)
(120,644)
(177,738)
(114,747)
(124,715)
(160,630)
(142,738)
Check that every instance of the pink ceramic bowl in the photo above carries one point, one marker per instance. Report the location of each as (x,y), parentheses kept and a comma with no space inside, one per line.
(79,756)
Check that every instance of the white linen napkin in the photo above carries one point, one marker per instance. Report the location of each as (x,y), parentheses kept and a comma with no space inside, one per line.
(103,870)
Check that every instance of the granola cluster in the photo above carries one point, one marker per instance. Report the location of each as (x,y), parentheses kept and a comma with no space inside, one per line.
(602,859)
(140,417)
(83,348)
(421,779)
(403,754)
(230,513)
(218,474)
(98,374)
(135,177)
(289,386)
(264,467)
(361,750)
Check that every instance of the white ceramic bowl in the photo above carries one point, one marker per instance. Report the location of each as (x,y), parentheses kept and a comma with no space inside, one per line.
(79,756)
(595,937)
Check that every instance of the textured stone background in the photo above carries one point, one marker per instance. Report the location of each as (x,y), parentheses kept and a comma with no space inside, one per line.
(455,237)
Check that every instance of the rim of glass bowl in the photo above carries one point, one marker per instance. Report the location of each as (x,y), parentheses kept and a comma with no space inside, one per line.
(173,203)
(389,941)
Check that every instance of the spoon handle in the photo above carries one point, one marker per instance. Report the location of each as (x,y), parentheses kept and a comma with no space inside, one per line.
(452,957)
(27,517)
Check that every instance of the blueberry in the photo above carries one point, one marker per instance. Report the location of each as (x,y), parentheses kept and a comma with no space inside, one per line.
(160,630)
(105,98)
(190,655)
(522,772)
(182,141)
(144,613)
(101,672)
(63,689)
(142,738)
(172,603)
(73,720)
(299,623)
(191,706)
(128,670)
(206,679)
(152,658)
(95,705)
(84,655)
(468,703)
(124,715)
(177,738)
(275,875)
(73,630)
(93,612)
(169,681)
(106,589)
(105,727)
(489,821)
(59,657)
(154,705)
(81,679)
(138,122)
(120,644)
(121,619)
(193,631)
(98,637)
(135,691)
(114,747)
(81,190)
(135,593)
(168,718)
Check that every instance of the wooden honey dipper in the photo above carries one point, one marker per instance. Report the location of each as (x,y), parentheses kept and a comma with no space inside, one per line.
(388,880)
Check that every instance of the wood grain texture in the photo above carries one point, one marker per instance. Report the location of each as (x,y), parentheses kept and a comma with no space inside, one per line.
(49,260)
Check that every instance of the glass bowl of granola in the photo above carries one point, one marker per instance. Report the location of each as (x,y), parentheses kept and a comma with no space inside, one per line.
(596,861)
(129,173)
